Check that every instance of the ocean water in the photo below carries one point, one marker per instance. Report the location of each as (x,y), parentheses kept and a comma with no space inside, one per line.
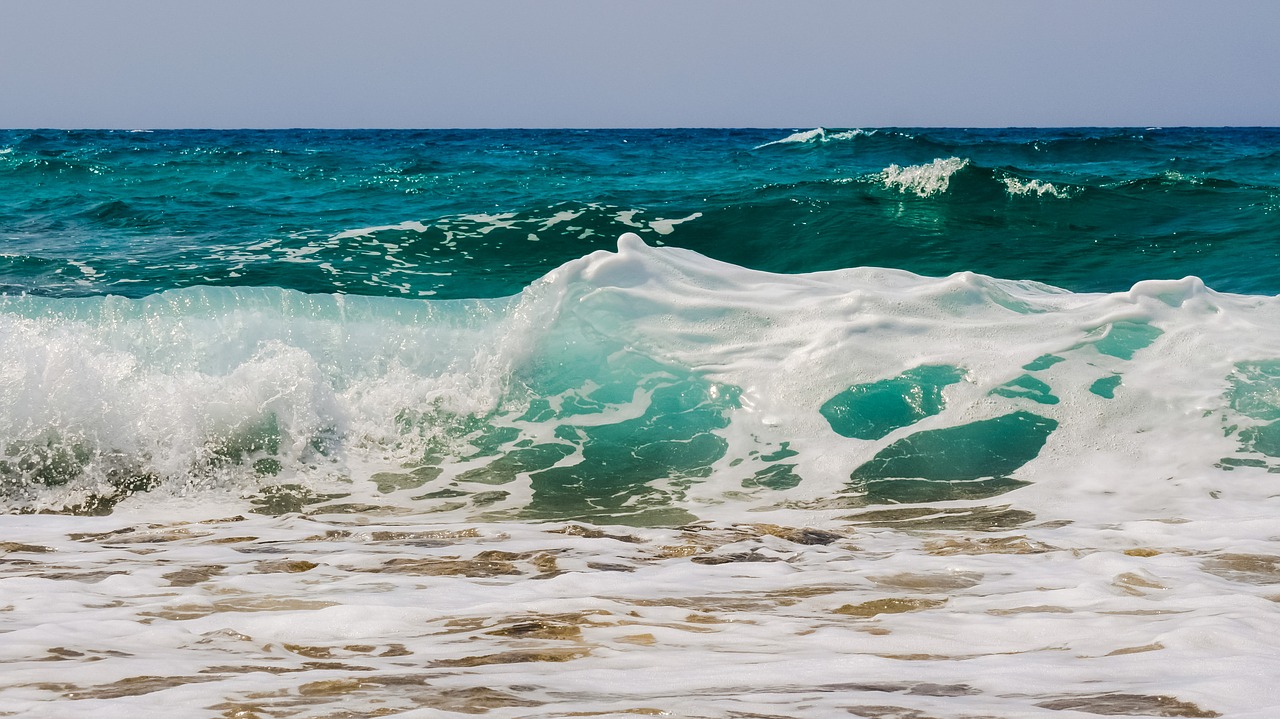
(893,423)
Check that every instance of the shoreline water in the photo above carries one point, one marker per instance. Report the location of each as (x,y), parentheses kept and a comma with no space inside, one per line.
(981,610)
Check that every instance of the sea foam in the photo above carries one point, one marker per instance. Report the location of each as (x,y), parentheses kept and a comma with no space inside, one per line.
(817,135)
(1017,186)
(923,180)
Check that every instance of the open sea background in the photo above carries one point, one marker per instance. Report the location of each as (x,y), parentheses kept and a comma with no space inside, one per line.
(484,213)
(892,423)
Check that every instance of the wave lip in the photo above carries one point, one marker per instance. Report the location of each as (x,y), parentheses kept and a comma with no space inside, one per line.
(923,180)
(817,135)
(1017,186)
(934,178)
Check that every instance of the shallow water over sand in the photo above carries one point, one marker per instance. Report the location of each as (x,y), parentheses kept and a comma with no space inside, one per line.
(965,610)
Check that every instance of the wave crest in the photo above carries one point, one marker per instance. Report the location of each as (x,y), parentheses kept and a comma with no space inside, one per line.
(817,135)
(922,180)
(1019,187)
(646,381)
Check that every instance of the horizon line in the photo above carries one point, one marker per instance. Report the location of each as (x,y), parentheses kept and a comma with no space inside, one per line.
(633,128)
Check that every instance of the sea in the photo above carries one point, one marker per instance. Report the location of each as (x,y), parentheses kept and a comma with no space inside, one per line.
(894,423)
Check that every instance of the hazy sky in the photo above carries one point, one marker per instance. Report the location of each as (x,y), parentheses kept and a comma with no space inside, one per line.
(601,63)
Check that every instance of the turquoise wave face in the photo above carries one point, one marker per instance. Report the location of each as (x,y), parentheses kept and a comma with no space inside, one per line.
(646,386)
(456,214)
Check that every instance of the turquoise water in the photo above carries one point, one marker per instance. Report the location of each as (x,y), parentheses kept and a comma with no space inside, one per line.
(449,320)
(453,214)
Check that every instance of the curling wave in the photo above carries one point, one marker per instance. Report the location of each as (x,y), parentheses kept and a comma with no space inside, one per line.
(647,384)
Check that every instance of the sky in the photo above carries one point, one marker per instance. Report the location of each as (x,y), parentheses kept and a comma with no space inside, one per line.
(650,63)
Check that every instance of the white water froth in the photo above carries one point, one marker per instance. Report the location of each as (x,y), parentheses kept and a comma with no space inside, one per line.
(817,135)
(923,180)
(1019,187)
(172,383)
(410,226)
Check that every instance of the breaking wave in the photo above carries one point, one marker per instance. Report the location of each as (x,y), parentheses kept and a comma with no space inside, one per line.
(647,384)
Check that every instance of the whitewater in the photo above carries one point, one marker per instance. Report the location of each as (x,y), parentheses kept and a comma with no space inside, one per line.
(704,460)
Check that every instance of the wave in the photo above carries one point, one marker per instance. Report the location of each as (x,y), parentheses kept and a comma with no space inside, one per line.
(923,180)
(1039,188)
(818,135)
(1229,153)
(1039,144)
(935,178)
(646,384)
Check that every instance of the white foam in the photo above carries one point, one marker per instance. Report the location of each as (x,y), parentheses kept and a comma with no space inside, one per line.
(630,622)
(1020,187)
(817,135)
(409,226)
(89,273)
(628,218)
(561,216)
(923,180)
(489,223)
(666,227)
